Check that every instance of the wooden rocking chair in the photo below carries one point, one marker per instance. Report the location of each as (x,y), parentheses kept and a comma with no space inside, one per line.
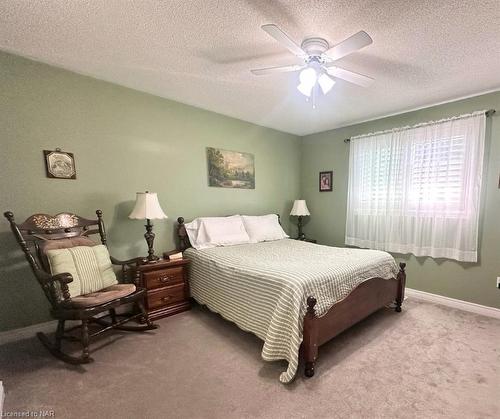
(41,233)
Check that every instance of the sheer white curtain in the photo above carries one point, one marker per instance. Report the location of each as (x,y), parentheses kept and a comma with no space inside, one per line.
(417,189)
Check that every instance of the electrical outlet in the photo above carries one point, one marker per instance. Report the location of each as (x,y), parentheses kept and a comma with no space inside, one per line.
(498,281)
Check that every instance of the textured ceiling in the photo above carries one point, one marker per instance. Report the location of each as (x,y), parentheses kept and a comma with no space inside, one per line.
(200,52)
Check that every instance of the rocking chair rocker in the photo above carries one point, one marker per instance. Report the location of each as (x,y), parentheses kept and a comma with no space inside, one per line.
(43,233)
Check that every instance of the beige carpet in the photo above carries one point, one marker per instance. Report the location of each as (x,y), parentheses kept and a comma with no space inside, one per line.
(426,362)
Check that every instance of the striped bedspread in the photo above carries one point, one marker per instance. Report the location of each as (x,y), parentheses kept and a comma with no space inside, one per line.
(263,287)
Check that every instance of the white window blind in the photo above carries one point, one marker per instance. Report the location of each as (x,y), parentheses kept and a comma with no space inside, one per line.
(417,189)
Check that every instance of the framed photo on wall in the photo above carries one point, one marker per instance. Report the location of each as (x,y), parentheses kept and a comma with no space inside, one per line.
(325,181)
(59,164)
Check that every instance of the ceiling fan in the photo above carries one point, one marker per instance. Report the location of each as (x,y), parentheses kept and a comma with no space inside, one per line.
(319,58)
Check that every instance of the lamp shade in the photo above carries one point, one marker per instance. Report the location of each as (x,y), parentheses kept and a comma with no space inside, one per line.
(147,207)
(300,208)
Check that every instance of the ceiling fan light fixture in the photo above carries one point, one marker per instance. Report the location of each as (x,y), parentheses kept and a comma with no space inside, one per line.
(305,89)
(326,83)
(308,76)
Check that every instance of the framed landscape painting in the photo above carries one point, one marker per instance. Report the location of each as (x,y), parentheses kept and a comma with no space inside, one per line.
(230,169)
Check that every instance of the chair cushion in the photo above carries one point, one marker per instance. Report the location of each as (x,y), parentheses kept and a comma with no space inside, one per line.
(100,297)
(90,267)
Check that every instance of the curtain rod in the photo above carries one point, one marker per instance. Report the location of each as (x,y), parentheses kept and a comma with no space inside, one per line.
(489,112)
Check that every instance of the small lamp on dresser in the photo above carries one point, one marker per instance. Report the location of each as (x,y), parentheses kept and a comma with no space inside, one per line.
(300,210)
(148,208)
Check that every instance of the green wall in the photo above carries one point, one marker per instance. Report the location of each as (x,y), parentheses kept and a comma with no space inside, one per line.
(124,141)
(474,282)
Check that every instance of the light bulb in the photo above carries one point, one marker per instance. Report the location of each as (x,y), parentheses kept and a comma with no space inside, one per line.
(307,79)
(308,76)
(326,83)
(305,89)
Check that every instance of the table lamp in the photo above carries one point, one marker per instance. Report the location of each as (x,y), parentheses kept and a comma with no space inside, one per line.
(148,208)
(300,210)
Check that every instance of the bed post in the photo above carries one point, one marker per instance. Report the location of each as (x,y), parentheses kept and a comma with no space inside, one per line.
(181,233)
(310,341)
(401,286)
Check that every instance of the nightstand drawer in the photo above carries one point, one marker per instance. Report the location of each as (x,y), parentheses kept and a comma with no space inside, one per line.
(165,296)
(163,278)
(167,287)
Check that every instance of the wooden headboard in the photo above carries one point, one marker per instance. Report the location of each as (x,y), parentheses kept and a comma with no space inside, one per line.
(183,237)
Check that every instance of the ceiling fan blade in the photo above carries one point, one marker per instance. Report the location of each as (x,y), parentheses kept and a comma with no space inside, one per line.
(280,69)
(353,43)
(350,76)
(283,39)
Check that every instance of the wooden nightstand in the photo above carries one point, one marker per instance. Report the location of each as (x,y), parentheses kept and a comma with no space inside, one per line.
(167,287)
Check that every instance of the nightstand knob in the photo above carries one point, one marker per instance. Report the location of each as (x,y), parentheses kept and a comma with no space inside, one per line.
(165,299)
(164,279)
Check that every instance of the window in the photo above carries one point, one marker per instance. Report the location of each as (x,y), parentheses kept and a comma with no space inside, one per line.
(417,189)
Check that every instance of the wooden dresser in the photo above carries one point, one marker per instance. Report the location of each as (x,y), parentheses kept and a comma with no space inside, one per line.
(167,287)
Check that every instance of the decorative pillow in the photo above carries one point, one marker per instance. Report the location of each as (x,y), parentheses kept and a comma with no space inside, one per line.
(262,228)
(90,267)
(206,232)
(62,244)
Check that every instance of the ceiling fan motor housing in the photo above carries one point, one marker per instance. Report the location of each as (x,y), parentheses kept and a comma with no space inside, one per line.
(315,46)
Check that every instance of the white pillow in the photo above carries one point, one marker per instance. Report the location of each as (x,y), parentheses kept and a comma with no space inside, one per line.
(262,228)
(197,234)
(206,232)
(226,231)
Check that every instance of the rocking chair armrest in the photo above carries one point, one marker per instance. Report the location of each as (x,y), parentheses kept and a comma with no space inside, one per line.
(46,278)
(64,278)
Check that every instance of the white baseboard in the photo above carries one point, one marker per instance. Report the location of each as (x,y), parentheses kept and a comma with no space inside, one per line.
(2,397)
(27,332)
(452,302)
(45,327)
(50,326)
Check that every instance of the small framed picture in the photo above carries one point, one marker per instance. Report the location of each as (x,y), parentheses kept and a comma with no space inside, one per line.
(59,164)
(325,181)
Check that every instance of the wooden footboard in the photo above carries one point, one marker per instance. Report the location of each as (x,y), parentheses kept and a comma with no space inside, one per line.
(366,298)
